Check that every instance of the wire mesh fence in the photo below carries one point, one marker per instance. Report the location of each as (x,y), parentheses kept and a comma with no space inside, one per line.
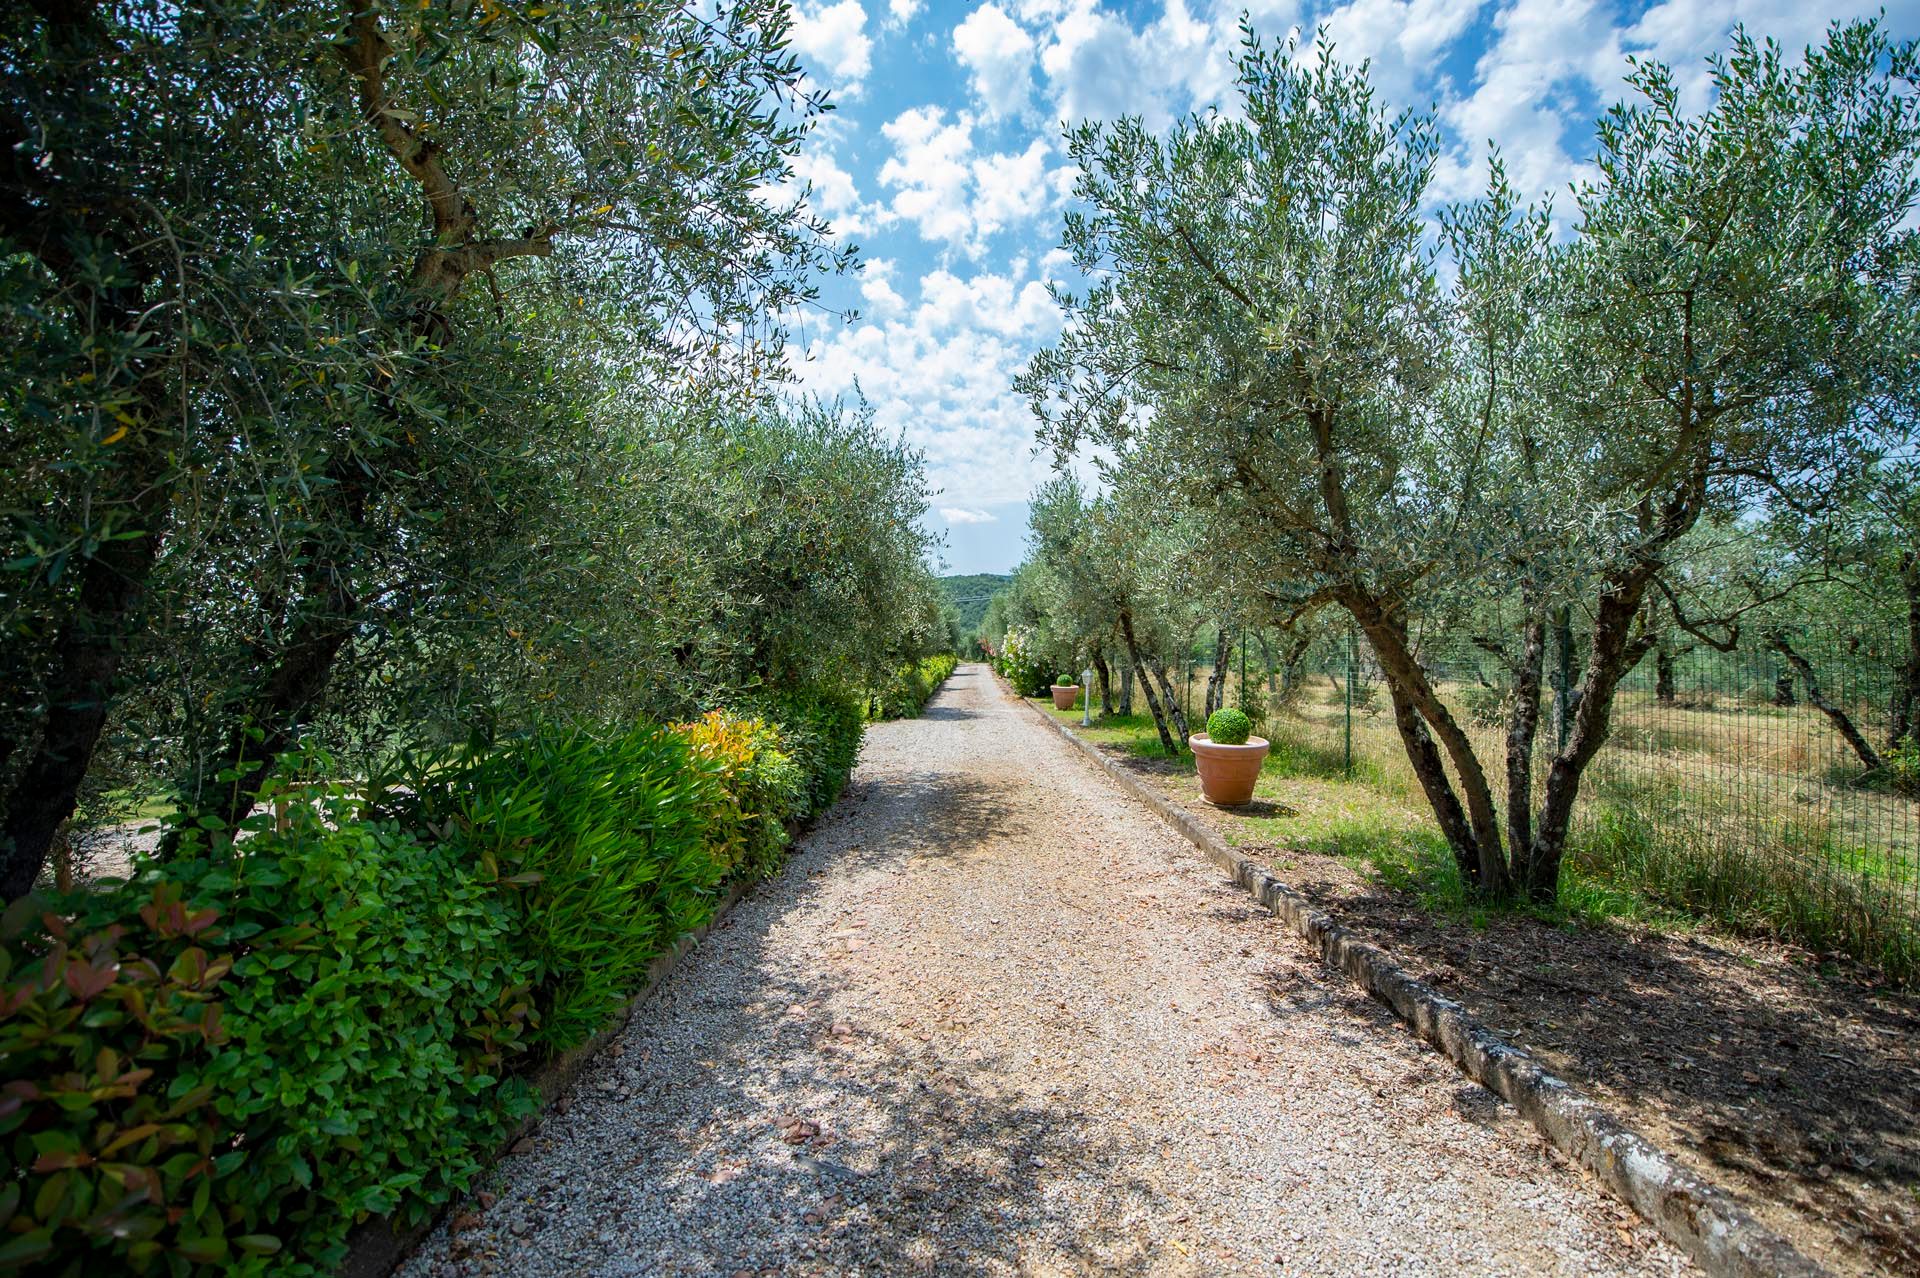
(1727,785)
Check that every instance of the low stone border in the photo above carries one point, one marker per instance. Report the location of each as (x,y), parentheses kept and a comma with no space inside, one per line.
(377,1247)
(1700,1218)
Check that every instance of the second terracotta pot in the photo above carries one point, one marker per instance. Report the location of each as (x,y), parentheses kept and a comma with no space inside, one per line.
(1064,695)
(1227,772)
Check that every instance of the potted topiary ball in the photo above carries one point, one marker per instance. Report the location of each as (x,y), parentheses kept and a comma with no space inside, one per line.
(1228,756)
(1064,695)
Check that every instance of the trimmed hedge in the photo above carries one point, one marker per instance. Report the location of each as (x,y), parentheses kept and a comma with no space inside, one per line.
(224,1064)
(821,729)
(1227,726)
(907,693)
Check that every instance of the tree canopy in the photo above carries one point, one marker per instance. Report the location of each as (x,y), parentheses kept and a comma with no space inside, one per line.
(377,369)
(1269,351)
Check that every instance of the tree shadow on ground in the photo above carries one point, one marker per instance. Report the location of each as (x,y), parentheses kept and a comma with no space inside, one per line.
(1789,1087)
(1791,1083)
(763,1136)
(920,815)
(1264,808)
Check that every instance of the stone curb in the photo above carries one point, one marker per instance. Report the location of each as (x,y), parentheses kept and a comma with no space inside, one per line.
(1698,1217)
(377,1246)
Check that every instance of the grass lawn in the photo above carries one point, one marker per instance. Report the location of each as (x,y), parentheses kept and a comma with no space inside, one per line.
(1306,802)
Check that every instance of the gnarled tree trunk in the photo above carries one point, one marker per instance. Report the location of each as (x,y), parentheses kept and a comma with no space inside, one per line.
(286,698)
(49,206)
(1666,686)
(1174,712)
(1903,728)
(1217,677)
(1836,714)
(1146,683)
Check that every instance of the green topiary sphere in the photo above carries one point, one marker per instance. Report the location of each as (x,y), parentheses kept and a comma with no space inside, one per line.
(1229,727)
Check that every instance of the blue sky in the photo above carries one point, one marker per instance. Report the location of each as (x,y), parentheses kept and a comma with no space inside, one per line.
(943,161)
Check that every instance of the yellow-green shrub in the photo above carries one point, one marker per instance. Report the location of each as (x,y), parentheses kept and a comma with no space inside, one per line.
(760,789)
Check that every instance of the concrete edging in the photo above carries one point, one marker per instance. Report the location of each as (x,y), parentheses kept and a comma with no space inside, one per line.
(1700,1218)
(376,1247)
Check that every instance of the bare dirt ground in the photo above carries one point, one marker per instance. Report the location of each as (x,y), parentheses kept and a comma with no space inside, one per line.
(996,1019)
(1792,1084)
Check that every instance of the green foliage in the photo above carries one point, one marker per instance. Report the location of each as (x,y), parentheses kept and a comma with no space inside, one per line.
(1804,895)
(821,728)
(246,1049)
(1023,665)
(1902,764)
(760,790)
(606,842)
(115,1160)
(380,991)
(1228,726)
(971,594)
(1487,705)
(907,692)
(377,496)
(1253,704)
(1265,349)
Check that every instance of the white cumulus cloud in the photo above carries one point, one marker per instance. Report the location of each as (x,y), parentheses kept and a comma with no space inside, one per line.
(929,169)
(833,40)
(942,371)
(956,195)
(876,286)
(961,515)
(998,52)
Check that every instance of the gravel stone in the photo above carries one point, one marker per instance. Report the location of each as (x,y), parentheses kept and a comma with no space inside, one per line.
(995,1019)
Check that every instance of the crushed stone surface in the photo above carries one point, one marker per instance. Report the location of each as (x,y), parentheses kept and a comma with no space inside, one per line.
(995,1019)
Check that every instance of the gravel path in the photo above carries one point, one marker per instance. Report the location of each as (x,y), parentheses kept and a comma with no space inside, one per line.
(996,1019)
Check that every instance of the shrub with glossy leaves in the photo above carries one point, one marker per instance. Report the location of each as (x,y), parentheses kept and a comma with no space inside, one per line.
(1228,726)
(821,728)
(907,693)
(378,995)
(107,1163)
(230,1060)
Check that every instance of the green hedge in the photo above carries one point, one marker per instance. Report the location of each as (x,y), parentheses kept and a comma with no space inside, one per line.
(222,1065)
(822,730)
(907,693)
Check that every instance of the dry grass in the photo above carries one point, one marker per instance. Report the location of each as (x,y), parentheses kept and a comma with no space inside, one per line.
(1751,815)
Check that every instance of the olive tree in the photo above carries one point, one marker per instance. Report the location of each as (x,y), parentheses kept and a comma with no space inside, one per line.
(1265,325)
(290,295)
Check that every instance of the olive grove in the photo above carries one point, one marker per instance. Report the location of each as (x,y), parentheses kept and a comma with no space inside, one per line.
(1358,401)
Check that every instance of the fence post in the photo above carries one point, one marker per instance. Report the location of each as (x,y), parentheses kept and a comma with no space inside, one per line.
(1243,669)
(1351,663)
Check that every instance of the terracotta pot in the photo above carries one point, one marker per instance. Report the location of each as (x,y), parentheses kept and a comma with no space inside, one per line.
(1227,772)
(1064,695)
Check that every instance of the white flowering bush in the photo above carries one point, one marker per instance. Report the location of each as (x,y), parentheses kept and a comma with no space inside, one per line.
(1020,661)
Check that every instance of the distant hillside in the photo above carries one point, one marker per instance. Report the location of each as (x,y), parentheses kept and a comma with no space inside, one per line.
(970,594)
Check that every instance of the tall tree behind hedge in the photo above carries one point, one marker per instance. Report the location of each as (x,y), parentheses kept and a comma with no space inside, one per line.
(267,272)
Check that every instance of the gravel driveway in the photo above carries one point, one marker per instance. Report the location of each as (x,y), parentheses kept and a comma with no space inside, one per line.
(996,1019)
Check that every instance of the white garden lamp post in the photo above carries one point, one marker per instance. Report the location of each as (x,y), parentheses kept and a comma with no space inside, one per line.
(1086,697)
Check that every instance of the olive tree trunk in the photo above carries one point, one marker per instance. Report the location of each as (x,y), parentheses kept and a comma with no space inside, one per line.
(1139,669)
